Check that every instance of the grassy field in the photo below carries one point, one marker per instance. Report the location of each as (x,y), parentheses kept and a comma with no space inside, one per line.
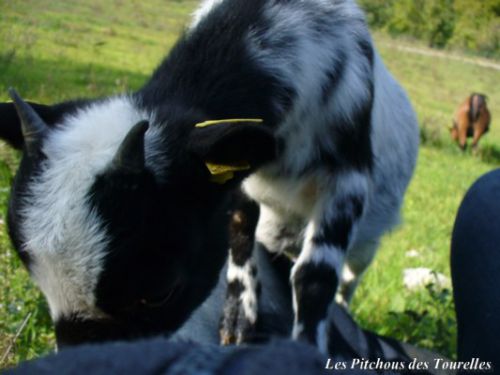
(55,50)
(436,86)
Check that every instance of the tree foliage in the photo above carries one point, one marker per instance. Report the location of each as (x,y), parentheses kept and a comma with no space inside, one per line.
(471,25)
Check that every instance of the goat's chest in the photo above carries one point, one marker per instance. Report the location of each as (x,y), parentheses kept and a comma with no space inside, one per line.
(294,197)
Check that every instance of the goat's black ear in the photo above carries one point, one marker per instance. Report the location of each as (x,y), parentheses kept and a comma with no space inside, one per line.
(34,129)
(10,123)
(234,142)
(131,154)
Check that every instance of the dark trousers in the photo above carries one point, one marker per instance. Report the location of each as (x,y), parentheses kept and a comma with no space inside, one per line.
(475,267)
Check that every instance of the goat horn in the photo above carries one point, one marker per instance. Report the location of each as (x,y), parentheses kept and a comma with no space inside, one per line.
(131,153)
(33,127)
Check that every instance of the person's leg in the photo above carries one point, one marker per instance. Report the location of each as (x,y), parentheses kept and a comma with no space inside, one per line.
(475,266)
(193,349)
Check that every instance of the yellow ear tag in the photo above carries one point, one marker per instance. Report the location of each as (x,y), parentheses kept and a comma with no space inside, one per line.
(204,124)
(221,173)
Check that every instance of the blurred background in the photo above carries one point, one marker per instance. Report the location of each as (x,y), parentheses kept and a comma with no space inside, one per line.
(440,51)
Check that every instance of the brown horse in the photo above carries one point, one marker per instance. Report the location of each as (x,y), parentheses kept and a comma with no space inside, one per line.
(472,119)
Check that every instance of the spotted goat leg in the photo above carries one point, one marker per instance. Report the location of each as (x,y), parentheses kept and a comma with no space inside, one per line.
(240,309)
(316,275)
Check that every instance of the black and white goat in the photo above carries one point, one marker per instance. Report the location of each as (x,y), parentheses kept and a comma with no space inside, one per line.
(347,140)
(121,224)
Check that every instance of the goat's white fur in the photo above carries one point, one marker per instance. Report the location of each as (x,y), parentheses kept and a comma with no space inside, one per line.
(65,238)
(243,274)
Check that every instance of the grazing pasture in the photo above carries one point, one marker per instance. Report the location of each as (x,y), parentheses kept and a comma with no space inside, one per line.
(56,50)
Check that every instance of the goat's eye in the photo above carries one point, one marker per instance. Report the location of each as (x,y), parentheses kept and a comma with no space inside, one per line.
(156,302)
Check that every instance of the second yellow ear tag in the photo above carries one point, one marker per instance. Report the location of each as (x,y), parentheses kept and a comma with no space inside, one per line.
(221,173)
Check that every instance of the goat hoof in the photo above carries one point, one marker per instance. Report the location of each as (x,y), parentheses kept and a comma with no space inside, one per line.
(226,338)
(236,336)
(236,328)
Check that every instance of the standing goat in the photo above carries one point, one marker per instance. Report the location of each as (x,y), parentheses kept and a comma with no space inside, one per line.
(120,222)
(347,139)
(472,119)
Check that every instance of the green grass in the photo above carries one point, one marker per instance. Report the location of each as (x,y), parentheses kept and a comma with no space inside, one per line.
(85,48)
(437,86)
(55,50)
(431,203)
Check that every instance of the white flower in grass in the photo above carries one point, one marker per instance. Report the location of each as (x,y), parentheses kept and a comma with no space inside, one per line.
(413,253)
(418,278)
